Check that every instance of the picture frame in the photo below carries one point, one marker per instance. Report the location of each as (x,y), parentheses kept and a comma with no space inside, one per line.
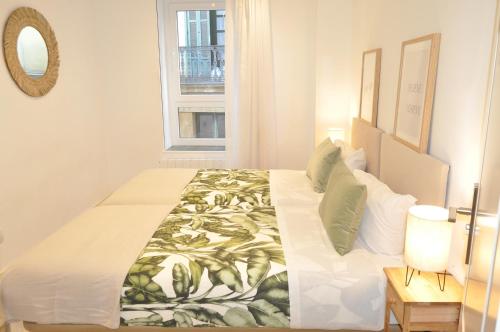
(415,94)
(370,85)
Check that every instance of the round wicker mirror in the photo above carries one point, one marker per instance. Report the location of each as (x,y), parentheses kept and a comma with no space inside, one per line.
(31,53)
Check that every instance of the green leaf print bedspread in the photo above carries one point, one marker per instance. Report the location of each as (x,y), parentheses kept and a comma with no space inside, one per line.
(216,260)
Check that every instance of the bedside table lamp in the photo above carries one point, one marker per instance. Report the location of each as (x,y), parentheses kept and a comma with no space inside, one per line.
(336,134)
(428,240)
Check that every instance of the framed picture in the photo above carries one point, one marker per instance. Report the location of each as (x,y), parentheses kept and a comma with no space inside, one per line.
(417,81)
(370,83)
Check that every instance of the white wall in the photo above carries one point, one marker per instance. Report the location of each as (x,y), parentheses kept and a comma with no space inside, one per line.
(293,31)
(466,27)
(334,61)
(130,91)
(66,151)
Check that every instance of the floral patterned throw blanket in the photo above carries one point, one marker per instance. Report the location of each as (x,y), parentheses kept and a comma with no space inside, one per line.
(216,260)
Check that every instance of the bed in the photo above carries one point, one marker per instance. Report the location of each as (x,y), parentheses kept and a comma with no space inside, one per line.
(325,290)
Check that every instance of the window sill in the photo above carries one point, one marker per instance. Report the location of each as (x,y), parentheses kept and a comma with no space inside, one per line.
(197,148)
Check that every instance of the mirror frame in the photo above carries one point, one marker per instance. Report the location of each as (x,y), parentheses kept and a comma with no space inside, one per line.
(19,19)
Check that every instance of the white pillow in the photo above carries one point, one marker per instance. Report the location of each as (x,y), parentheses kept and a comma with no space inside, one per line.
(354,159)
(383,224)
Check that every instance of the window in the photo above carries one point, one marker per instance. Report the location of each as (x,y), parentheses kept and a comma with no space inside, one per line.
(193,63)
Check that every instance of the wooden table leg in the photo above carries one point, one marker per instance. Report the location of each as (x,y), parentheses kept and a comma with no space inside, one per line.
(406,320)
(387,315)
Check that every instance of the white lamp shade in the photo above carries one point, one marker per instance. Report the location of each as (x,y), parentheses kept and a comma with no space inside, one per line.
(428,238)
(336,134)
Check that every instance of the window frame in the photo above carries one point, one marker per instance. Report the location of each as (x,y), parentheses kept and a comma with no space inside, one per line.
(172,98)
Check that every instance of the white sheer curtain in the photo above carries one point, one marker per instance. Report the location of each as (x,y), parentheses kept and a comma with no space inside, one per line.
(250,101)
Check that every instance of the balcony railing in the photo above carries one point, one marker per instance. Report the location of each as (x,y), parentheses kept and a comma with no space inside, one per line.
(202,65)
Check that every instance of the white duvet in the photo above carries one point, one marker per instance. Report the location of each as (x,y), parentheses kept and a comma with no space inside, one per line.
(81,284)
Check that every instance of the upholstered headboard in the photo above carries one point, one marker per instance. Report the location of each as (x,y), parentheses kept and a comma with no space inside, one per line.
(363,135)
(406,171)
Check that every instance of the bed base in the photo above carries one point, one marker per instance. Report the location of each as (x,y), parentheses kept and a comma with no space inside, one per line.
(31,327)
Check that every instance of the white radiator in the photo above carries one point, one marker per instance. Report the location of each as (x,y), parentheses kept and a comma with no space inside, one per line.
(191,163)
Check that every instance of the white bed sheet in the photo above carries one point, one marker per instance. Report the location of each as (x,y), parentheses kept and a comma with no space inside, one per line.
(327,291)
(75,276)
(152,186)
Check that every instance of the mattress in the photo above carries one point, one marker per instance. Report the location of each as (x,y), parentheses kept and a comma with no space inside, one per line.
(327,291)
(152,186)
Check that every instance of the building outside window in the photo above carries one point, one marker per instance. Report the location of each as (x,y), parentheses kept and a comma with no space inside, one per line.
(193,66)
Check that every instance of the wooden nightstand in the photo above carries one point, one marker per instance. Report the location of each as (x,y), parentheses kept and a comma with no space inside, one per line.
(422,306)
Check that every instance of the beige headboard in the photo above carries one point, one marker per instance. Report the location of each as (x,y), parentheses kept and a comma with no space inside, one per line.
(408,172)
(363,135)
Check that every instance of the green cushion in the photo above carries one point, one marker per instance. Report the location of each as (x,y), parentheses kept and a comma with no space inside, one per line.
(339,169)
(321,163)
(342,208)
